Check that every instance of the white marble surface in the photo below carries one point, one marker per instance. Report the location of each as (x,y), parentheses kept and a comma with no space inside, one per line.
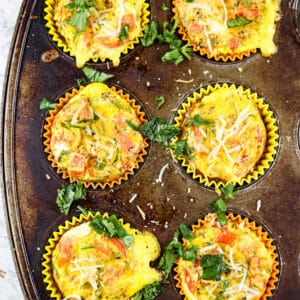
(9,284)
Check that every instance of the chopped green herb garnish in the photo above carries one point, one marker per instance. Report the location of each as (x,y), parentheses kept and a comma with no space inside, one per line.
(239,21)
(157,129)
(219,206)
(164,7)
(149,291)
(160,101)
(66,195)
(81,81)
(46,104)
(181,148)
(213,266)
(81,7)
(95,76)
(197,121)
(247,3)
(190,254)
(225,284)
(87,247)
(83,210)
(186,232)
(124,32)
(175,249)
(228,191)
(178,52)
(150,34)
(111,227)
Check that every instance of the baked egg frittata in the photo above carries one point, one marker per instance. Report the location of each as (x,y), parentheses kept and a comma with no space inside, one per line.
(228,27)
(236,253)
(90,265)
(225,133)
(107,28)
(90,139)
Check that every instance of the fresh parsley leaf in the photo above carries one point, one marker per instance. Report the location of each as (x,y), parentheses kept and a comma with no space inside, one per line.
(164,7)
(66,195)
(124,32)
(46,104)
(149,292)
(186,232)
(228,191)
(213,266)
(81,7)
(111,227)
(160,101)
(239,21)
(150,34)
(219,206)
(197,121)
(181,148)
(247,3)
(157,129)
(95,76)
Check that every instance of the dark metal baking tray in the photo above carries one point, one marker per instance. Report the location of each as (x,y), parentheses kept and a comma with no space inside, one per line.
(30,184)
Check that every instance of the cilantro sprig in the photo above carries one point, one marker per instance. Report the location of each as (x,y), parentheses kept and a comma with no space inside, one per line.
(66,195)
(150,34)
(219,206)
(80,7)
(181,148)
(111,227)
(149,291)
(175,249)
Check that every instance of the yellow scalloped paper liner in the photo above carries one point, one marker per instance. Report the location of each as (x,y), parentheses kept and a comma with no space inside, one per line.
(52,242)
(61,43)
(63,173)
(271,285)
(231,57)
(271,143)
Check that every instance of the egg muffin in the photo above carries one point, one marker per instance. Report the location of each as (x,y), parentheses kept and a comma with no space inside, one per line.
(87,137)
(236,261)
(228,30)
(96,30)
(85,259)
(230,134)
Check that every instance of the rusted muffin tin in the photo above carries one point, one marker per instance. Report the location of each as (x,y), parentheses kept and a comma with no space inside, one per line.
(30,183)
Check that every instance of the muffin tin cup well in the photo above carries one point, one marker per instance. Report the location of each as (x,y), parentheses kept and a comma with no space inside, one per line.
(267,158)
(260,230)
(103,185)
